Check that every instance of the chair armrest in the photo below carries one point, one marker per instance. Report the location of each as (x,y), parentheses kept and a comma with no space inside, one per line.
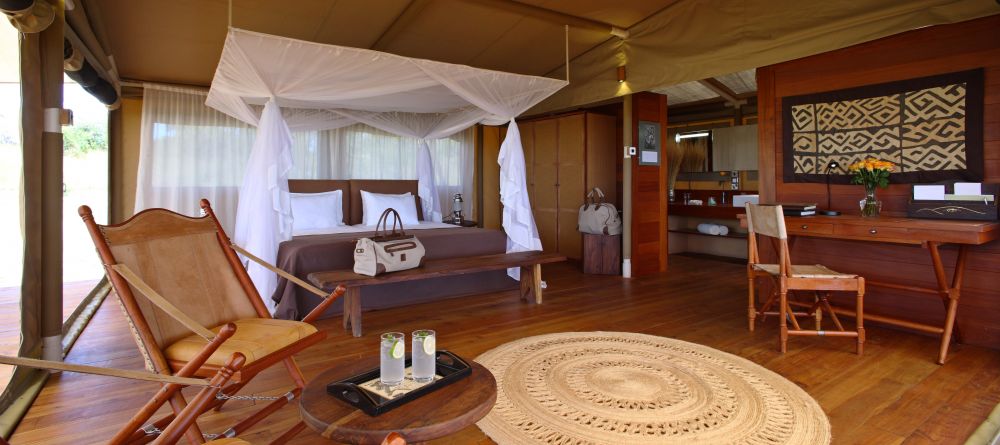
(327,301)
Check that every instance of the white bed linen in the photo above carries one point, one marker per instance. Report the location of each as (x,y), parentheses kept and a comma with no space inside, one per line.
(358,228)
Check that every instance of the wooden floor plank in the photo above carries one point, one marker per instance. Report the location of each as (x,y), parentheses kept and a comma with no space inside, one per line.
(893,394)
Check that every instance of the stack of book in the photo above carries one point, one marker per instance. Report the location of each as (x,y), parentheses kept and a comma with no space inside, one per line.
(798,208)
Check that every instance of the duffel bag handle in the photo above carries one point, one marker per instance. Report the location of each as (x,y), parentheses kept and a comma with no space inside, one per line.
(382,226)
(595,197)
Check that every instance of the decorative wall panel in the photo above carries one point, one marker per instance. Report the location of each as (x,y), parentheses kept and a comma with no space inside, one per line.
(930,127)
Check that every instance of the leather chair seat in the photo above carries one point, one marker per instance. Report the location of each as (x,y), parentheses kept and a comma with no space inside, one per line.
(255,338)
(804,271)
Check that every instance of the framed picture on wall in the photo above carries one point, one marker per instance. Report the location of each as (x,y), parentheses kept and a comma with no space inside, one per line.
(649,143)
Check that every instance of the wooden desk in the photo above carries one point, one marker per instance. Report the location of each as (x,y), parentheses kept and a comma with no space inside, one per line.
(927,233)
(434,415)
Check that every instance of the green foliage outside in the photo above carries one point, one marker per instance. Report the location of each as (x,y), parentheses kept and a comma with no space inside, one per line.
(79,140)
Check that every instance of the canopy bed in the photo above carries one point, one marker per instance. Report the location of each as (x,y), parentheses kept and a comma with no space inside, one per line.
(331,249)
(261,79)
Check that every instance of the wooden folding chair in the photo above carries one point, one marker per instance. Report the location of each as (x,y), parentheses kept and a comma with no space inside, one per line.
(769,220)
(180,282)
(177,426)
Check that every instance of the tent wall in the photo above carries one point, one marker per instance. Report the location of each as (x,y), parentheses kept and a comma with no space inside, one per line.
(41,283)
(124,135)
(691,40)
(924,52)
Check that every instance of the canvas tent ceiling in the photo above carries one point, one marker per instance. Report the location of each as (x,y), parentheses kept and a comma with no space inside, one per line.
(670,41)
(739,83)
(179,41)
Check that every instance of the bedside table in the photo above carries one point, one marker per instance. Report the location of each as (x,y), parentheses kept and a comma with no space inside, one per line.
(462,223)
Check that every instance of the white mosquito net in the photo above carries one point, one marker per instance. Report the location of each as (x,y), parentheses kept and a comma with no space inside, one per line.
(260,74)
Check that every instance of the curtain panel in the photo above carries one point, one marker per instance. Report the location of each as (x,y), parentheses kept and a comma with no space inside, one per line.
(189,151)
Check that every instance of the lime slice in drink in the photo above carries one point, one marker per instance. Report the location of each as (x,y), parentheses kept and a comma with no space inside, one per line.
(429,345)
(398,349)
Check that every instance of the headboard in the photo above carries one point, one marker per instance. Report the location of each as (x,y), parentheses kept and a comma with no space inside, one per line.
(353,208)
(324,185)
(388,186)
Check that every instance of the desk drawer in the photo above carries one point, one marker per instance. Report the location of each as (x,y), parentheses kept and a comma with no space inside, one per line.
(873,231)
(805,228)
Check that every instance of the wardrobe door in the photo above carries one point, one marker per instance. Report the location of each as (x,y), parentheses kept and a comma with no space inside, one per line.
(572,172)
(527,130)
(545,174)
(602,150)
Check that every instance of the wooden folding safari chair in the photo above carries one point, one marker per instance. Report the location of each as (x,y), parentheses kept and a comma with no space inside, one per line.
(176,426)
(179,282)
(769,221)
(171,432)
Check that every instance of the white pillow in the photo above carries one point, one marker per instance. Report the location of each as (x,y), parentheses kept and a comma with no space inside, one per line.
(317,211)
(373,204)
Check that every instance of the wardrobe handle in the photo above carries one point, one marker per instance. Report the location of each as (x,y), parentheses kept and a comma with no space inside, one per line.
(804,226)
(872,231)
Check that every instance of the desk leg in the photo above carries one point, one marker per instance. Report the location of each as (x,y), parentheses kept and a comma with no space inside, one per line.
(352,310)
(950,293)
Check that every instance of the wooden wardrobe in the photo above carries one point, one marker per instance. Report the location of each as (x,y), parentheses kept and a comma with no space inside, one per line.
(566,156)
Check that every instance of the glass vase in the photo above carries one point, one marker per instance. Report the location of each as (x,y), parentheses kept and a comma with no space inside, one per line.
(870,206)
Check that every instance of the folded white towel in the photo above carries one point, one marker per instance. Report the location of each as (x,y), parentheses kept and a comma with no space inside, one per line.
(723,230)
(711,229)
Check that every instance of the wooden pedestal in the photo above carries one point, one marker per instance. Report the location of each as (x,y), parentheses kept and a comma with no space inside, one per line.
(602,254)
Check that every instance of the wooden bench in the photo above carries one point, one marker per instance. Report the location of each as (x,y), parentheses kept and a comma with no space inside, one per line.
(529,262)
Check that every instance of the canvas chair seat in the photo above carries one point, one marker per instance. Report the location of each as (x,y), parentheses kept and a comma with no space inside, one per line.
(804,271)
(255,338)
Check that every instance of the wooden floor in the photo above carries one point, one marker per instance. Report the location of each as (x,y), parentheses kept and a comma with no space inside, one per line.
(10,317)
(893,394)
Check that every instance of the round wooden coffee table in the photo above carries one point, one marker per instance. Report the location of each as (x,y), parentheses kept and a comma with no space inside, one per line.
(435,415)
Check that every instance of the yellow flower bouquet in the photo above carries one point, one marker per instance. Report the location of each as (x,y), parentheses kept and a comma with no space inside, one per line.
(871,173)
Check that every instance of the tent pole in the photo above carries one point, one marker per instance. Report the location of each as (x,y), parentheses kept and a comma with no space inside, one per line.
(566,28)
(627,188)
(52,189)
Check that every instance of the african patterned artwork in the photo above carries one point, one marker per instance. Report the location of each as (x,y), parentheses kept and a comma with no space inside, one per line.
(930,127)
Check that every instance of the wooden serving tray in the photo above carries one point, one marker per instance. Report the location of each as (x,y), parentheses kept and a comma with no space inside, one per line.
(364,391)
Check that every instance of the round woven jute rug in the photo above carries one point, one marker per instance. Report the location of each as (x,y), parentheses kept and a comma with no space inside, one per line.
(625,388)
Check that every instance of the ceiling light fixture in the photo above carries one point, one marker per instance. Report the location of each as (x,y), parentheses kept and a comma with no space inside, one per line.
(699,134)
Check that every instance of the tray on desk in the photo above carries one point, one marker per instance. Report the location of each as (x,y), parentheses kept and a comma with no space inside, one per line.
(364,392)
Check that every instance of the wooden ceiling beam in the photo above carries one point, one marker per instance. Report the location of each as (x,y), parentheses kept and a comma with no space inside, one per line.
(555,17)
(402,21)
(723,91)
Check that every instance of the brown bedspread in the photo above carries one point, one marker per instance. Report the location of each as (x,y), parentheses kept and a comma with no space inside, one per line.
(303,255)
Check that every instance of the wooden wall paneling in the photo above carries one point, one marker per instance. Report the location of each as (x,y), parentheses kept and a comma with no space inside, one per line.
(491,178)
(527,130)
(649,192)
(923,52)
(572,181)
(546,174)
(602,152)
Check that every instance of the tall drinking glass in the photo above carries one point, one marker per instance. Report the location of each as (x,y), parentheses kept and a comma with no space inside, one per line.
(392,358)
(424,349)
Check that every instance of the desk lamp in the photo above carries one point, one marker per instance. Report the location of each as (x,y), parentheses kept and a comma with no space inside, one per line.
(830,167)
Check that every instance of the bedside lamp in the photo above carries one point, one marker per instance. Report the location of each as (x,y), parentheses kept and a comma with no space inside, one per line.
(830,167)
(456,207)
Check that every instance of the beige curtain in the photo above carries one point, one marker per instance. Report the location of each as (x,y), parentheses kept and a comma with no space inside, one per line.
(697,39)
